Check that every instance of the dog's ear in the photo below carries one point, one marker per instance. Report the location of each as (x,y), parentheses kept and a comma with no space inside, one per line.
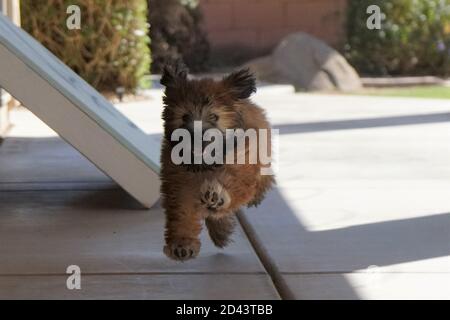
(241,83)
(174,74)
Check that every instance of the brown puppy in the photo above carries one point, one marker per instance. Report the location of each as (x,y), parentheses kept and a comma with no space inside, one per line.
(194,192)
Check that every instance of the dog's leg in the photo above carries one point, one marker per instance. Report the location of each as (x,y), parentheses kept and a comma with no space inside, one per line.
(264,184)
(183,228)
(221,229)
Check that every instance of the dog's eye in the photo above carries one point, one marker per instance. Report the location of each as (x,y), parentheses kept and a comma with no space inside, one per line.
(186,117)
(213,117)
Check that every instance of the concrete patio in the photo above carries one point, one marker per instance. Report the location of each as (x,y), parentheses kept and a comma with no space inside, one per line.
(361,211)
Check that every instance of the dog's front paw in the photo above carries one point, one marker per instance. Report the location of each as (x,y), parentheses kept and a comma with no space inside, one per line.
(213,196)
(182,249)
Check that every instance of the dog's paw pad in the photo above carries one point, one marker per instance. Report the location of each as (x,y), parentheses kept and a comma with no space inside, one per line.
(214,196)
(182,250)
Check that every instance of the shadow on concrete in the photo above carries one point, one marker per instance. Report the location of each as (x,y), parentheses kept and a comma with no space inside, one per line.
(336,125)
(283,243)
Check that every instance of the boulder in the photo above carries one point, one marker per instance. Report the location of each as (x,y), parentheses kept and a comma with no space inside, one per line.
(307,63)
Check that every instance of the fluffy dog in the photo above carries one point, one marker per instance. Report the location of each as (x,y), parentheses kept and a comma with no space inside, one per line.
(214,193)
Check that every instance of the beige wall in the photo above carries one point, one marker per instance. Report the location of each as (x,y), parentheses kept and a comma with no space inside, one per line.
(258,25)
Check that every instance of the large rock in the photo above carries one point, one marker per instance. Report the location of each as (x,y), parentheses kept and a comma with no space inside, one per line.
(307,63)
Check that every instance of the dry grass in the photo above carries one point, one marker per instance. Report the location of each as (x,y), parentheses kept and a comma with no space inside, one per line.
(110,50)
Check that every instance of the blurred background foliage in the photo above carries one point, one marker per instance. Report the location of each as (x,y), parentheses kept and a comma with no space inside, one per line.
(176,33)
(112,48)
(414,38)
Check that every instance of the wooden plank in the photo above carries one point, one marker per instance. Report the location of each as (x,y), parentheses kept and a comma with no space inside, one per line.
(75,110)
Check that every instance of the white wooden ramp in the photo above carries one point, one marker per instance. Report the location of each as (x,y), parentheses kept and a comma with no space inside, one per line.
(78,113)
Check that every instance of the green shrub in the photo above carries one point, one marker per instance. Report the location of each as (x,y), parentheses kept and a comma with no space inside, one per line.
(414,38)
(176,33)
(111,48)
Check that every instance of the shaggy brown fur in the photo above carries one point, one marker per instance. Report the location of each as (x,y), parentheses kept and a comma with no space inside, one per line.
(214,193)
